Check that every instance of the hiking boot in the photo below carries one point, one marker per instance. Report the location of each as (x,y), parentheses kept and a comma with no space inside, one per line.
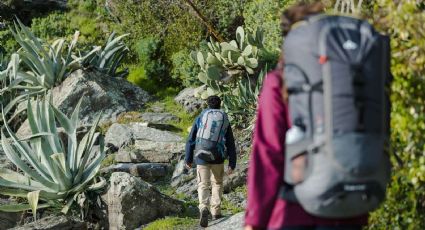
(216,217)
(203,221)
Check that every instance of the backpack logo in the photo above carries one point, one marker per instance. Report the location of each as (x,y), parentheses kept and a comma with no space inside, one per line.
(349,45)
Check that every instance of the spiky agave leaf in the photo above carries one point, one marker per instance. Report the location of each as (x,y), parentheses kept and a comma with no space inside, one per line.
(51,171)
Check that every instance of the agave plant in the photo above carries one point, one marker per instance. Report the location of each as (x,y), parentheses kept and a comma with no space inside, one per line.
(109,58)
(52,167)
(10,81)
(48,64)
(243,100)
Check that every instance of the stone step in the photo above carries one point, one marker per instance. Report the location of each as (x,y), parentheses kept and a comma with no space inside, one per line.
(150,152)
(150,172)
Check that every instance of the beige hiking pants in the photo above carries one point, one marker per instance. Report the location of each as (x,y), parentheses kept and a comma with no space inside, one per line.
(210,175)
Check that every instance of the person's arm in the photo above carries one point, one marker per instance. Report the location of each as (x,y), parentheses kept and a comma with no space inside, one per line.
(231,149)
(190,143)
(265,173)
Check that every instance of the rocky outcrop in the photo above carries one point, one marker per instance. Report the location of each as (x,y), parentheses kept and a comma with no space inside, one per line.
(159,118)
(105,95)
(150,172)
(228,223)
(132,202)
(237,179)
(102,95)
(188,100)
(121,135)
(118,136)
(54,223)
(181,174)
(150,151)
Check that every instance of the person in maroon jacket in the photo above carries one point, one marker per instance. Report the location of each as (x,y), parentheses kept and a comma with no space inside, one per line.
(265,209)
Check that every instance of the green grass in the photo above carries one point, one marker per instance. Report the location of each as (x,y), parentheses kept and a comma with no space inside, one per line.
(108,161)
(164,97)
(243,189)
(227,207)
(172,223)
(170,106)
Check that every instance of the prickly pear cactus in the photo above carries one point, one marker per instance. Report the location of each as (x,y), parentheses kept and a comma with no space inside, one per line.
(227,61)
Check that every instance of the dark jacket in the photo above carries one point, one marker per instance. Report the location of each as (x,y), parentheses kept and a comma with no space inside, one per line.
(229,143)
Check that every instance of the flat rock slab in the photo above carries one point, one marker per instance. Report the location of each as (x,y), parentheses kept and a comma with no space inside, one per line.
(120,135)
(159,118)
(54,223)
(228,223)
(150,172)
(150,152)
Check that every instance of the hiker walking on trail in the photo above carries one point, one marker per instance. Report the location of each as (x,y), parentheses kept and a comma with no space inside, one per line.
(319,159)
(210,142)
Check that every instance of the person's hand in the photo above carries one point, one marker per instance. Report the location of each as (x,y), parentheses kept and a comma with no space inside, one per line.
(229,171)
(188,165)
(249,227)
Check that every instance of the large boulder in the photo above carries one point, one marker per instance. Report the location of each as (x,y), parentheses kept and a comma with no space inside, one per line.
(132,202)
(228,223)
(105,95)
(121,135)
(150,151)
(237,179)
(188,100)
(102,94)
(150,172)
(54,223)
(181,174)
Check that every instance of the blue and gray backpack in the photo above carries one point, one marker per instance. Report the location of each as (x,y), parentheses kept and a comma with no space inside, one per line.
(212,127)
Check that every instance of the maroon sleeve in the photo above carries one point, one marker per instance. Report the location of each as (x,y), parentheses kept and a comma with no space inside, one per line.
(265,173)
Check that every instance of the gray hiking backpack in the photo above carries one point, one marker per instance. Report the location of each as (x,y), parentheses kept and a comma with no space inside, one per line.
(337,74)
(212,128)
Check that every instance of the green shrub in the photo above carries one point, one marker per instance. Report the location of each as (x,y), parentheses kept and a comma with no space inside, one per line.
(266,14)
(152,58)
(185,69)
(138,77)
(87,5)
(172,22)
(52,26)
(226,15)
(405,204)
(8,43)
